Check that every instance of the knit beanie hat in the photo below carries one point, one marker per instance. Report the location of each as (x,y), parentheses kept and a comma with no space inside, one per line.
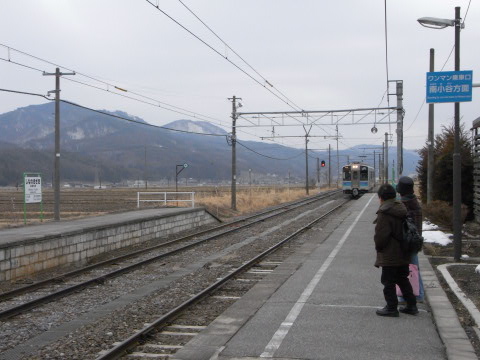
(405,185)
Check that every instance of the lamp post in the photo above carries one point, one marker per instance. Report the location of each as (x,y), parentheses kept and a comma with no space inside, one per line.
(457,180)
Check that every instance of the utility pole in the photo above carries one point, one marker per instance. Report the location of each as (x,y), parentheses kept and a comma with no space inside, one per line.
(145,171)
(56,206)
(318,172)
(385,159)
(374,168)
(431,114)
(399,128)
(250,182)
(457,160)
(306,165)
(329,168)
(338,161)
(234,151)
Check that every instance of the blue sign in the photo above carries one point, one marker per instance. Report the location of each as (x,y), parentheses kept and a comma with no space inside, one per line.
(449,86)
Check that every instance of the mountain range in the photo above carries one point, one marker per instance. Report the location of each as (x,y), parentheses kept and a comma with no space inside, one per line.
(125,147)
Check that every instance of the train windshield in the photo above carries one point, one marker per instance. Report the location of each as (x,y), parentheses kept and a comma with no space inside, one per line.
(364,173)
(347,175)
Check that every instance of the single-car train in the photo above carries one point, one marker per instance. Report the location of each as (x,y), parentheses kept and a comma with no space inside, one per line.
(358,178)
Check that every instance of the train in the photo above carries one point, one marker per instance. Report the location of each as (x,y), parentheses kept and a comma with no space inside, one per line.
(358,178)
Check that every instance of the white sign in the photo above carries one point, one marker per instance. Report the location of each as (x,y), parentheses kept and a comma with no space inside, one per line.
(33,189)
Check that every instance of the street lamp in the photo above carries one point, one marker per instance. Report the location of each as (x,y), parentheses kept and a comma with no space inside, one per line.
(437,23)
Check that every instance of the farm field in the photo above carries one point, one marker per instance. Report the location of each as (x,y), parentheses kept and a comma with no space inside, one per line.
(77,203)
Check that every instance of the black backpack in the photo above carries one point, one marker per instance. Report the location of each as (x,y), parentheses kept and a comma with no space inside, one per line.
(412,242)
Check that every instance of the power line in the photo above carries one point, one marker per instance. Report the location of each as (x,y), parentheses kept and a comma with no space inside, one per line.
(157,103)
(220,54)
(145,123)
(267,156)
(112,115)
(241,58)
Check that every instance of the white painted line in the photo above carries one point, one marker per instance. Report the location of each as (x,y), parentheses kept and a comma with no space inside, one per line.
(226,297)
(472,309)
(172,333)
(285,326)
(193,327)
(346,306)
(148,355)
(163,347)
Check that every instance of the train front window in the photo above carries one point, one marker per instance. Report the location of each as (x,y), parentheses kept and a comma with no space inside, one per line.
(347,175)
(364,173)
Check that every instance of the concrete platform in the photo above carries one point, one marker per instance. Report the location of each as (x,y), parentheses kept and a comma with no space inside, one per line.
(27,250)
(321,302)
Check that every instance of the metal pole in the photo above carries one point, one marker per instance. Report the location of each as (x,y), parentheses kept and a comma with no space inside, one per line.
(338,161)
(250,181)
(318,171)
(329,168)
(306,164)
(457,161)
(374,169)
(385,159)
(234,152)
(431,114)
(145,171)
(399,129)
(57,146)
(56,182)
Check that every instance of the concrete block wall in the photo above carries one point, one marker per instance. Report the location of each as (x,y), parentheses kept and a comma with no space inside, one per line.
(19,260)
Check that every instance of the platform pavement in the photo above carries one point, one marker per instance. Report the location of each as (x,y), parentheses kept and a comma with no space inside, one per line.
(63,227)
(325,307)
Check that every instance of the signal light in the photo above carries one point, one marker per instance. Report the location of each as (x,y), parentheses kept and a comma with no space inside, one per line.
(323,163)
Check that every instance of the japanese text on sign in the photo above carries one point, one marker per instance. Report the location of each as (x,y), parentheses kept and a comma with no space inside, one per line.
(449,86)
(33,189)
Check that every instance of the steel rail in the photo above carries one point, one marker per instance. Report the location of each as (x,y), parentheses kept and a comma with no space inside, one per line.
(60,278)
(133,340)
(15,310)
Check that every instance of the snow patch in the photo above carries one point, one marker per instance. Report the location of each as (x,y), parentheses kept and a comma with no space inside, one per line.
(77,134)
(427,226)
(438,237)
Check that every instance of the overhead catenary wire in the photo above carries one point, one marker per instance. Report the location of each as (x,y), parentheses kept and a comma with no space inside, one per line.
(146,124)
(110,114)
(240,57)
(223,56)
(267,156)
(157,103)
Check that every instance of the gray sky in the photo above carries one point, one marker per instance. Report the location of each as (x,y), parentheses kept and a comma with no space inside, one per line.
(322,54)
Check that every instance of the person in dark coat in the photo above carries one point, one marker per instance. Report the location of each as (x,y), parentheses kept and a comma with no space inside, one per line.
(394,263)
(414,211)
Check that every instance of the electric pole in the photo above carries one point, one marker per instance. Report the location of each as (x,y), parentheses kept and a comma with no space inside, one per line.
(399,128)
(338,161)
(306,158)
(145,171)
(431,116)
(329,168)
(56,206)
(385,158)
(234,151)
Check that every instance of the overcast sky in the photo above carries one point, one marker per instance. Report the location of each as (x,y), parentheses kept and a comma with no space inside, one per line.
(322,55)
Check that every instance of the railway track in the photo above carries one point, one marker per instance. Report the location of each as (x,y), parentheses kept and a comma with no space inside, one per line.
(164,335)
(28,297)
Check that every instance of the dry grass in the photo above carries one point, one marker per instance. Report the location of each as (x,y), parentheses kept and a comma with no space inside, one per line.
(248,202)
(78,203)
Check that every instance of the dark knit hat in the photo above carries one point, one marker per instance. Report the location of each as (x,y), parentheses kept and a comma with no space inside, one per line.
(405,185)
(386,192)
